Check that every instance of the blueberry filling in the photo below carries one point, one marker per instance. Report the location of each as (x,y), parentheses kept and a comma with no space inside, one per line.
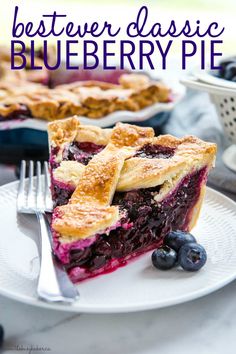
(144,227)
(53,163)
(155,151)
(60,196)
(81,152)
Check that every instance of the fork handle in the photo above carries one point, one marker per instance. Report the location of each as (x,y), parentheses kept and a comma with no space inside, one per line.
(53,284)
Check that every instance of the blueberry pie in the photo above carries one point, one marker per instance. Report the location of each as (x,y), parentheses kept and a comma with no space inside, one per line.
(93,99)
(118,192)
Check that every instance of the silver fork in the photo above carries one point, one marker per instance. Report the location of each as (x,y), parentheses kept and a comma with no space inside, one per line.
(54,284)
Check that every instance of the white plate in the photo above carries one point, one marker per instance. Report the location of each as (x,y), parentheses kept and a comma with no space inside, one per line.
(138,286)
(178,92)
(194,83)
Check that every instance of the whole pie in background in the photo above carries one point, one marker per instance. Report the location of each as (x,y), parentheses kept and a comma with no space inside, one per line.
(93,99)
(30,93)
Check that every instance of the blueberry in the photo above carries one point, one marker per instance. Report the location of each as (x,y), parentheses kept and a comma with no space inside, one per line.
(192,257)
(230,71)
(176,239)
(1,335)
(98,262)
(164,258)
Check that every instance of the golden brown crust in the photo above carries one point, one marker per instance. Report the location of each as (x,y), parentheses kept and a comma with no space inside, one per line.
(89,83)
(97,184)
(90,99)
(93,134)
(190,153)
(134,81)
(144,173)
(68,172)
(138,172)
(88,211)
(130,135)
(76,221)
(63,131)
(18,88)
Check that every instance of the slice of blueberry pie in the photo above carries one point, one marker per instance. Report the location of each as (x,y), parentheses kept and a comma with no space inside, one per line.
(117,192)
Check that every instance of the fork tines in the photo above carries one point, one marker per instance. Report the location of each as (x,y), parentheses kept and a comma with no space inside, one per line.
(34,193)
